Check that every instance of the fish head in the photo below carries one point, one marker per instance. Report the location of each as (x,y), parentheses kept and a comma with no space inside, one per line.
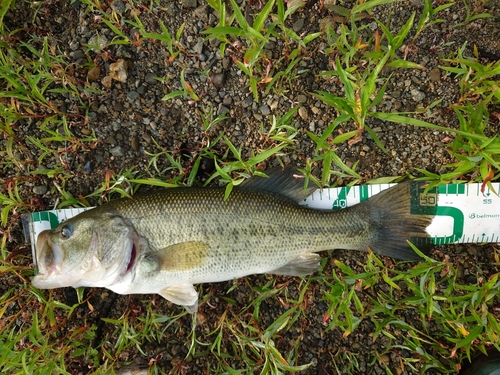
(87,250)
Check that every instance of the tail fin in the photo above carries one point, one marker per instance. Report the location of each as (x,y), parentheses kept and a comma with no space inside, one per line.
(397,217)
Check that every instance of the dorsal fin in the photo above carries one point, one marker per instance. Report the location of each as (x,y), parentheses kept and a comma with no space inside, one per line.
(285,181)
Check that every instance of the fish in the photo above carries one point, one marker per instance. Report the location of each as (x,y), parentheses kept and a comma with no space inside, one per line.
(166,241)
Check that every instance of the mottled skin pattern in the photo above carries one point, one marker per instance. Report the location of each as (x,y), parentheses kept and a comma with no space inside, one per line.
(251,232)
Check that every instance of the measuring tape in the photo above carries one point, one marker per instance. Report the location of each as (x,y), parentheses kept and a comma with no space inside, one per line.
(463,214)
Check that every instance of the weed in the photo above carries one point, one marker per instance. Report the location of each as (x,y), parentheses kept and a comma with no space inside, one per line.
(250,58)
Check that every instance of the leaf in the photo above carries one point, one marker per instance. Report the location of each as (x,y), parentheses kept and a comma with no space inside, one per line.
(403,64)
(174,94)
(261,18)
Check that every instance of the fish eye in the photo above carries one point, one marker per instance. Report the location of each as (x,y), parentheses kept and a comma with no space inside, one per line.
(67,230)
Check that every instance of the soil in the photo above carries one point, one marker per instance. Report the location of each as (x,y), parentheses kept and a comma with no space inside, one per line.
(131,121)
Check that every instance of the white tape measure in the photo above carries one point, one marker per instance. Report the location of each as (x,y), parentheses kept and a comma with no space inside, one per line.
(463,214)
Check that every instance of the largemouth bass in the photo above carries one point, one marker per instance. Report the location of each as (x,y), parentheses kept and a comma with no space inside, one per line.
(165,241)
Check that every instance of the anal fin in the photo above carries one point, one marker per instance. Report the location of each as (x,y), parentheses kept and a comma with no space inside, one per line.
(182,294)
(303,265)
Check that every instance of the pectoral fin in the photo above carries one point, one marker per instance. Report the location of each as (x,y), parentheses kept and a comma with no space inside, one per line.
(303,265)
(181,256)
(182,294)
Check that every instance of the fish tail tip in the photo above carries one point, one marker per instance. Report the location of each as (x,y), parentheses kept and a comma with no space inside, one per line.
(398,218)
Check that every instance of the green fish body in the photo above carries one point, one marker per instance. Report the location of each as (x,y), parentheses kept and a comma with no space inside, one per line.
(165,241)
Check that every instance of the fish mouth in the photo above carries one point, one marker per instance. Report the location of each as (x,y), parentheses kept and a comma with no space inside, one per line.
(48,262)
(48,255)
(131,259)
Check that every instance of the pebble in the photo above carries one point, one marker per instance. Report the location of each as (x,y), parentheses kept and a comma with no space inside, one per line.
(247,102)
(93,74)
(133,96)
(198,47)
(116,151)
(118,6)
(201,13)
(417,95)
(150,79)
(134,142)
(87,168)
(40,189)
(219,80)
(303,113)
(298,25)
(435,75)
(107,82)
(301,98)
(264,109)
(118,70)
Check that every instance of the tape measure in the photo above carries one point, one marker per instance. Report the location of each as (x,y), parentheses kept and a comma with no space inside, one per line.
(463,213)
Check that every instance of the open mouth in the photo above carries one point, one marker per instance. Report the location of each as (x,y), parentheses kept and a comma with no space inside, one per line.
(133,255)
(48,256)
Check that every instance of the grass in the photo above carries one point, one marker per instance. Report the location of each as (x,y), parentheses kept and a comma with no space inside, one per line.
(396,303)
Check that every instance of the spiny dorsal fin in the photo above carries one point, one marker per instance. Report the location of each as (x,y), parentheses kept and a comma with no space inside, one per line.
(285,181)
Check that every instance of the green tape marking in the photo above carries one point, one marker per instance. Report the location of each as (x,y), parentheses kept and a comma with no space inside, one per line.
(46,216)
(341,201)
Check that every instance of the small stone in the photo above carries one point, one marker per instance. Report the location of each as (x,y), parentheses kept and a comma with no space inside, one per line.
(93,74)
(40,189)
(118,6)
(435,75)
(87,168)
(222,109)
(219,80)
(118,71)
(107,82)
(92,117)
(74,45)
(133,96)
(298,25)
(417,95)
(198,47)
(301,98)
(201,13)
(274,104)
(134,142)
(116,151)
(78,54)
(226,62)
(150,79)
(303,113)
(264,109)
(247,102)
